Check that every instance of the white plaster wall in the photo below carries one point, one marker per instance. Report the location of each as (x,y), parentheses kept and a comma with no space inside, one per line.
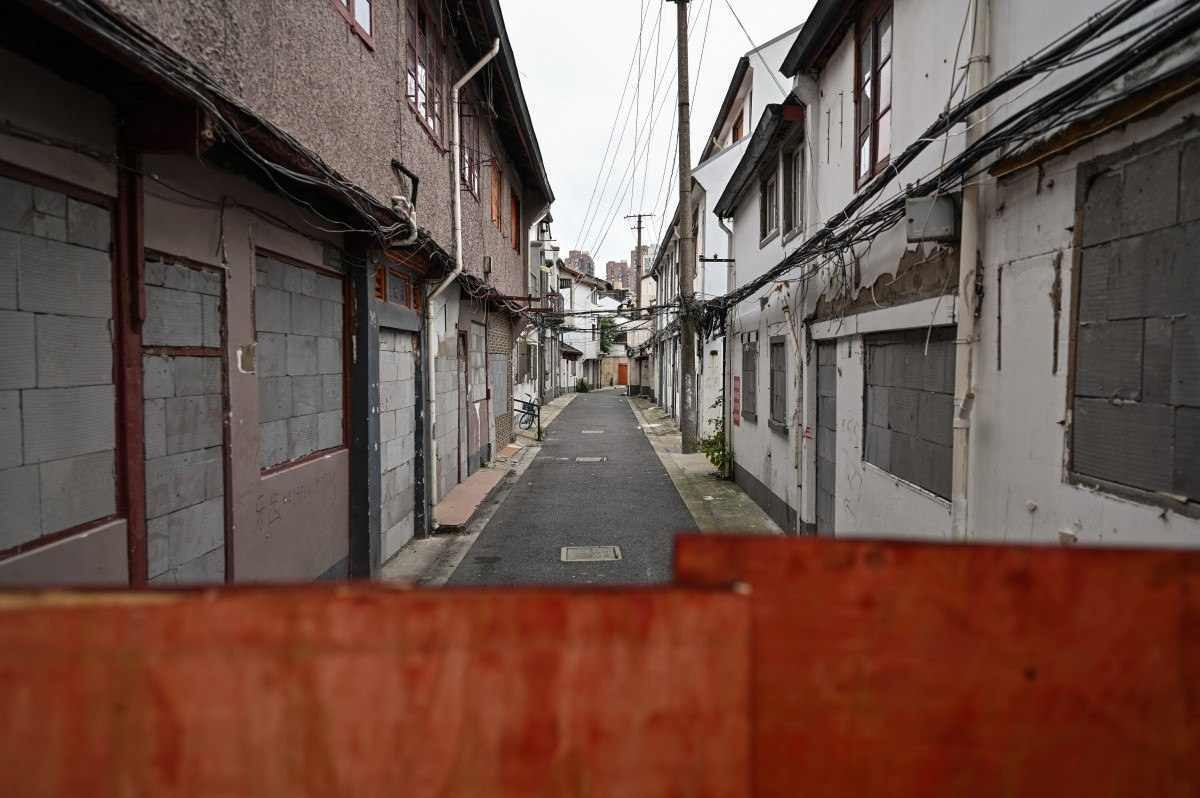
(1018,445)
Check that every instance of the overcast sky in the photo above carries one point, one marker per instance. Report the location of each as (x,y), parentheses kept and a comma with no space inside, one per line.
(574,57)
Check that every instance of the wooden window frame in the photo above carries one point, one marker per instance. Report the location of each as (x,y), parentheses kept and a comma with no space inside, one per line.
(867,120)
(777,384)
(793,191)
(471,154)
(514,209)
(425,52)
(768,206)
(347,9)
(497,195)
(738,130)
(750,381)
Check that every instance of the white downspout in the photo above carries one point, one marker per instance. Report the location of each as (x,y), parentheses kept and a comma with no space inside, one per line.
(968,264)
(431,354)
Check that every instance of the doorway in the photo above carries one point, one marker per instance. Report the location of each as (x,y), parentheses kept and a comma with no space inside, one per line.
(826,437)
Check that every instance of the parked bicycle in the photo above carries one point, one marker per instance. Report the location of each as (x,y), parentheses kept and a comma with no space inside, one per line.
(527,411)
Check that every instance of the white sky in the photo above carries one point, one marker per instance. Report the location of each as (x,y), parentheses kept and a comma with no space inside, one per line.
(574,56)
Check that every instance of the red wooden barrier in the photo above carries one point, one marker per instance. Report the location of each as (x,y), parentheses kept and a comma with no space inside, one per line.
(368,691)
(893,669)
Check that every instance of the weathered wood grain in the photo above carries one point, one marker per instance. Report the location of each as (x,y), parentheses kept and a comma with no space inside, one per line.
(371,691)
(894,669)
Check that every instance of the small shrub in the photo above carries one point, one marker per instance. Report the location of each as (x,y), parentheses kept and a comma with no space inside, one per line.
(582,386)
(716,451)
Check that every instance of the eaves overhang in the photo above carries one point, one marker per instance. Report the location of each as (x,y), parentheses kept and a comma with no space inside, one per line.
(826,25)
(777,124)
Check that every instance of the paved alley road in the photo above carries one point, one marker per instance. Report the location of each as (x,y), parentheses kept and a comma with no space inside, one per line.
(626,500)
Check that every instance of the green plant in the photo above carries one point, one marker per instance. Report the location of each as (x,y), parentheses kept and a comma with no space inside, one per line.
(608,336)
(716,450)
(581,386)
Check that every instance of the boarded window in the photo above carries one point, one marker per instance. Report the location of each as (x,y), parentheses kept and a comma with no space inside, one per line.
(750,380)
(298,314)
(1136,392)
(910,406)
(778,382)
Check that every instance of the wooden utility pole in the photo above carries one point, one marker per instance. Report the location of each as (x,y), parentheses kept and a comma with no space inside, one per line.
(688,416)
(637,261)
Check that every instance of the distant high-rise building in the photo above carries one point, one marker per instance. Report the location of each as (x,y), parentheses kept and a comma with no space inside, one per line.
(647,259)
(581,262)
(619,273)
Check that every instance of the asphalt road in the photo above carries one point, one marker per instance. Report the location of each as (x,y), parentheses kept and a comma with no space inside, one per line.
(626,500)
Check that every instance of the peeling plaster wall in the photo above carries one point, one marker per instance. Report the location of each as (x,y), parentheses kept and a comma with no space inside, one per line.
(1018,489)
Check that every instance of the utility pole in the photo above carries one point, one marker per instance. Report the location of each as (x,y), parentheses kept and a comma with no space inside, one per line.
(637,279)
(638,264)
(688,417)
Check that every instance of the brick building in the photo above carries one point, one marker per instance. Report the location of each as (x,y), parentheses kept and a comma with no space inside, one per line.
(619,274)
(218,360)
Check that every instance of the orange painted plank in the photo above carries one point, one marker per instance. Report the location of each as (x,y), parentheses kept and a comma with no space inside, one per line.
(363,690)
(929,670)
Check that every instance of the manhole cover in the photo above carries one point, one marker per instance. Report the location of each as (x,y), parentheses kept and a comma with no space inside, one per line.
(590,459)
(590,553)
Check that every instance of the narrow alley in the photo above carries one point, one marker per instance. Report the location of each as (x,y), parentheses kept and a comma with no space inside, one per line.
(597,482)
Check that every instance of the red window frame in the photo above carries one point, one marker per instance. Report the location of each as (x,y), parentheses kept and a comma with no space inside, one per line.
(873,88)
(348,9)
(497,190)
(514,205)
(424,85)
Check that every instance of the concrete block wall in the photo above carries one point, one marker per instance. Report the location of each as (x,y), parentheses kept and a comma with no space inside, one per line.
(183,405)
(57,397)
(299,319)
(446,397)
(397,438)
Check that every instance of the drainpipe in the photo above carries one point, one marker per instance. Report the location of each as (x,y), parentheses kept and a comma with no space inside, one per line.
(730,323)
(430,336)
(968,266)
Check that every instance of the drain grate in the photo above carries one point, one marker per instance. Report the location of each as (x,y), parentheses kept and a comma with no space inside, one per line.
(590,553)
(591,459)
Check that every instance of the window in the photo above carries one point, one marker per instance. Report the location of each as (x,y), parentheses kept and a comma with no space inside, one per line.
(750,380)
(424,90)
(397,288)
(873,94)
(497,184)
(778,383)
(1135,393)
(793,191)
(739,127)
(359,14)
(515,219)
(564,282)
(470,157)
(910,406)
(768,206)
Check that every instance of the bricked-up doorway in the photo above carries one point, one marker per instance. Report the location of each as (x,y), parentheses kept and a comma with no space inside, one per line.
(186,438)
(399,364)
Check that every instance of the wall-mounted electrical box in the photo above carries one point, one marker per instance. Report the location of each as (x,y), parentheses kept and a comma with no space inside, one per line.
(932,218)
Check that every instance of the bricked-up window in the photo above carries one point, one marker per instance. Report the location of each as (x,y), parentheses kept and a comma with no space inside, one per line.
(514,212)
(58,433)
(1136,393)
(497,194)
(873,92)
(778,384)
(425,81)
(910,406)
(750,380)
(298,315)
(768,206)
